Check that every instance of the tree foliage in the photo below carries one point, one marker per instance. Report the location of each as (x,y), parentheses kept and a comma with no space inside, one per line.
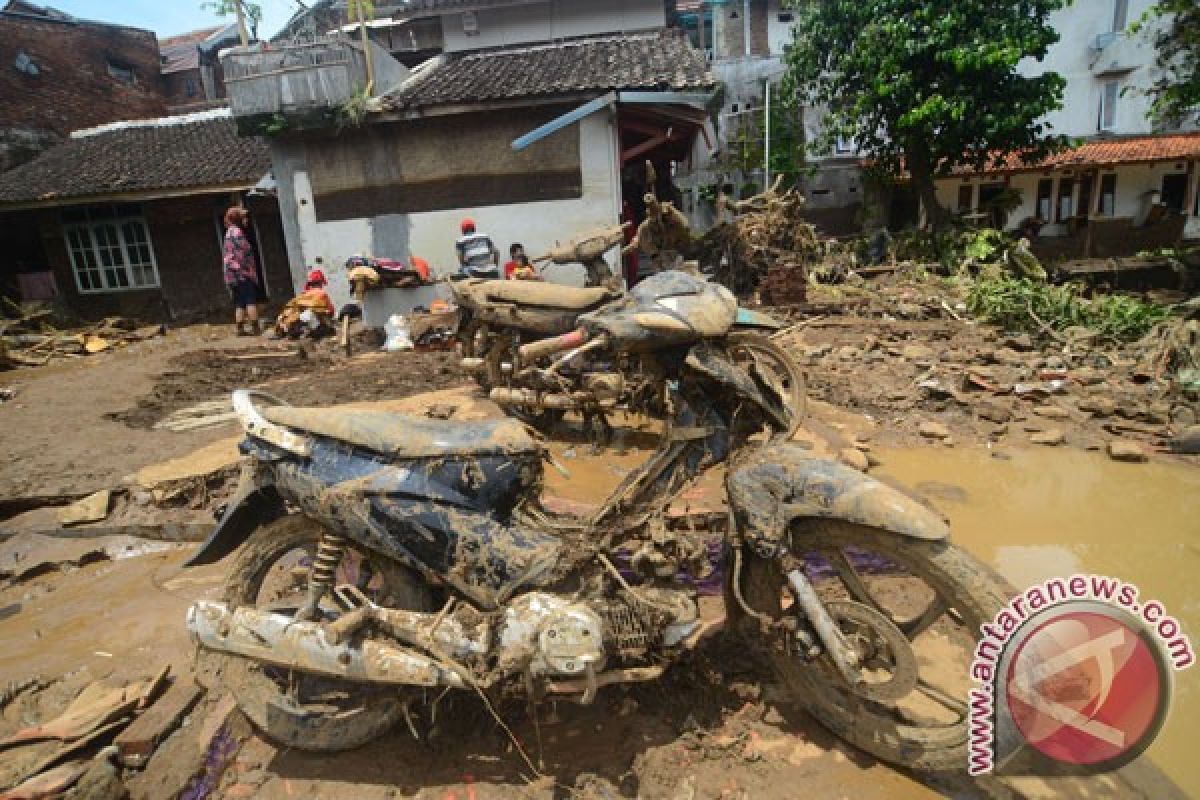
(1176,89)
(228,8)
(926,85)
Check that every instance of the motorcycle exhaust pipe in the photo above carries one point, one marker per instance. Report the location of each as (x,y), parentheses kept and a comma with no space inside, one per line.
(308,647)
(555,344)
(472,365)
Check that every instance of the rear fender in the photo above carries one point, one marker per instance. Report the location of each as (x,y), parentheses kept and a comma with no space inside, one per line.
(247,510)
(785,483)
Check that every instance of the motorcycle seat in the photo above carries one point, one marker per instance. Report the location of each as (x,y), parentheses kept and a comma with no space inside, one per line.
(404,436)
(546,295)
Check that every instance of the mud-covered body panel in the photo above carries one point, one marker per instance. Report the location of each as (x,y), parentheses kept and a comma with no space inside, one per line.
(785,483)
(444,517)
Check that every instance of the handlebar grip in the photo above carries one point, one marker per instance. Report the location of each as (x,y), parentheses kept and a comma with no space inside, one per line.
(556,344)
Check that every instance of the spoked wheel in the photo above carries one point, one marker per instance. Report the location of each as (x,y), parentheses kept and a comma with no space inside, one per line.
(301,710)
(911,609)
(771,363)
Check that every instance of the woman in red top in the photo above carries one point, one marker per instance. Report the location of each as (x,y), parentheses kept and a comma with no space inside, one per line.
(241,271)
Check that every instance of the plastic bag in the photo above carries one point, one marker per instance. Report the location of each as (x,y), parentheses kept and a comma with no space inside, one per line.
(398,337)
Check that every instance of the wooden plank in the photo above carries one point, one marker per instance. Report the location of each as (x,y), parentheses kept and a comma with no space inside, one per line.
(136,743)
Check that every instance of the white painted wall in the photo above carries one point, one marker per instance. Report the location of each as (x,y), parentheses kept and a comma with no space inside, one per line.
(1129,59)
(1134,182)
(553,19)
(779,33)
(431,235)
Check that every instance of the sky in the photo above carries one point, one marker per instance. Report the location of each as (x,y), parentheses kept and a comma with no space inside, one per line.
(168,17)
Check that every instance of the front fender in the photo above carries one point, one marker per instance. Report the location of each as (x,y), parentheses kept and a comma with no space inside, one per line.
(785,483)
(246,511)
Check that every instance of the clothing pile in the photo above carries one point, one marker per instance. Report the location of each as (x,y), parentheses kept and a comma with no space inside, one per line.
(389,273)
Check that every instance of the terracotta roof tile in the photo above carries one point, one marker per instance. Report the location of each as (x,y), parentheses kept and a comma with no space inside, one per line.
(663,61)
(140,156)
(1107,152)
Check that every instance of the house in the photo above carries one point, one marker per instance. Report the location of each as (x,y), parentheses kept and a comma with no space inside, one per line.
(1127,186)
(59,73)
(125,218)
(192,76)
(745,41)
(535,121)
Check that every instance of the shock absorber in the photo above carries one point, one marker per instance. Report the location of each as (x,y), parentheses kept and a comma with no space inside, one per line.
(330,549)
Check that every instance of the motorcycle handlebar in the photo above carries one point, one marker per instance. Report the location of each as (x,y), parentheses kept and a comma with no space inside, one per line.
(556,344)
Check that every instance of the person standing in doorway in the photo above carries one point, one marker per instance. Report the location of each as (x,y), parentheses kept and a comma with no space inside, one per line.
(241,272)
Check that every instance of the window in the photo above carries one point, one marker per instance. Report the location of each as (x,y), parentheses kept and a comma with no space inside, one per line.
(189,86)
(844,145)
(122,72)
(786,16)
(966,196)
(1108,194)
(1045,199)
(1109,92)
(1120,15)
(1174,191)
(110,249)
(1084,205)
(1066,196)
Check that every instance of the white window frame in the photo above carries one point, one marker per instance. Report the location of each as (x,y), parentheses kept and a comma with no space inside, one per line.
(1106,105)
(86,230)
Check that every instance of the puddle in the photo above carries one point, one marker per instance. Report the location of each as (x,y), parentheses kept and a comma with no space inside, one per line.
(1046,513)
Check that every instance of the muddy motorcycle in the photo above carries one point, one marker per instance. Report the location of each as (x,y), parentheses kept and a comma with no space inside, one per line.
(383,560)
(499,318)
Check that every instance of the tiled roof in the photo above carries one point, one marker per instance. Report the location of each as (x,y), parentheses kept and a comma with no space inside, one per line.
(152,156)
(1108,151)
(663,61)
(410,7)
(182,52)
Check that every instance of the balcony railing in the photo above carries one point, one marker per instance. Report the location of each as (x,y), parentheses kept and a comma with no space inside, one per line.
(299,78)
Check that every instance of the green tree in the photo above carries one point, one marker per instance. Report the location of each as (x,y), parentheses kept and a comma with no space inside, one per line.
(927,85)
(1176,90)
(229,8)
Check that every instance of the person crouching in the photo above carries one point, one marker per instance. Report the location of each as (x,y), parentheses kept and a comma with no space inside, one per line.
(309,313)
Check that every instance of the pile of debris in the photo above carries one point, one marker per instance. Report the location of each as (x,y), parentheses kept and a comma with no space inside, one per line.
(766,244)
(31,339)
(104,732)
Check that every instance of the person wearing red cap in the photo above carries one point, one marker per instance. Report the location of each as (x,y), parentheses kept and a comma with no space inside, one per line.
(477,254)
(310,312)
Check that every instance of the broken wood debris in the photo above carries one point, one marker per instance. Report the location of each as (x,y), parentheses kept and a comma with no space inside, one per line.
(31,340)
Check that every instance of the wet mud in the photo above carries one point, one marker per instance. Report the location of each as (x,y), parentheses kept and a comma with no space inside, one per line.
(1036,514)
(320,376)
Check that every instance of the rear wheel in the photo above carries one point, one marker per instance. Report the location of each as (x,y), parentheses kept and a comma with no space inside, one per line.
(309,712)
(912,609)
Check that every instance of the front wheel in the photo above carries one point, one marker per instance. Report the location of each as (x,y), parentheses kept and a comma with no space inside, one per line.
(912,610)
(758,354)
(300,710)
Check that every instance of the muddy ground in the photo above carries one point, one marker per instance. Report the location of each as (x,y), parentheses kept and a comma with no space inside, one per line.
(715,728)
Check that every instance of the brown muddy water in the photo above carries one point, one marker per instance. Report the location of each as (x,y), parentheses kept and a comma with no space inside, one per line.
(1047,513)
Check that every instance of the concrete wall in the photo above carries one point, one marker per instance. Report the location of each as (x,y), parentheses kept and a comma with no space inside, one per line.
(554,19)
(1128,58)
(431,234)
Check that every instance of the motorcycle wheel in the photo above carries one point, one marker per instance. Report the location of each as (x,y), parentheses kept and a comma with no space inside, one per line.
(925,728)
(304,711)
(779,369)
